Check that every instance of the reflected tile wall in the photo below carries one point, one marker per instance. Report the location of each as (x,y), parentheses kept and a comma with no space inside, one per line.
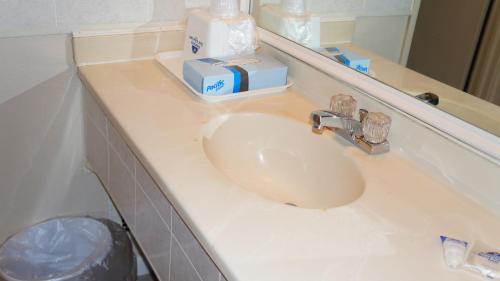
(351,7)
(400,5)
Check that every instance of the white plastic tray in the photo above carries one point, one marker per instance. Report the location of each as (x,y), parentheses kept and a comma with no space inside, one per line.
(173,62)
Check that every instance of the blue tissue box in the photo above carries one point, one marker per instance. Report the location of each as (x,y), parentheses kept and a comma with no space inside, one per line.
(222,76)
(350,58)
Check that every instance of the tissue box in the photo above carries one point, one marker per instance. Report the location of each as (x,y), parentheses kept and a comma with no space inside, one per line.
(222,76)
(349,58)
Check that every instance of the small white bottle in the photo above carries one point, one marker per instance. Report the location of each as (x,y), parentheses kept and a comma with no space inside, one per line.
(454,251)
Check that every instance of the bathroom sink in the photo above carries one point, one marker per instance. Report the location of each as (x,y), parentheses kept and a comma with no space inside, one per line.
(282,160)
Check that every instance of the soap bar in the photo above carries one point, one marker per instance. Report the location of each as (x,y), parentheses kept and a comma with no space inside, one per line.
(349,58)
(232,75)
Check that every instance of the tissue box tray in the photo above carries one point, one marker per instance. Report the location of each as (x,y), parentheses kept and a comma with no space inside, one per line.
(173,62)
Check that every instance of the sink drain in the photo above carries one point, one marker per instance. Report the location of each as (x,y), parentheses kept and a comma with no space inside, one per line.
(290,204)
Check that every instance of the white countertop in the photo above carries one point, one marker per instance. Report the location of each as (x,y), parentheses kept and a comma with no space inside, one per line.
(390,233)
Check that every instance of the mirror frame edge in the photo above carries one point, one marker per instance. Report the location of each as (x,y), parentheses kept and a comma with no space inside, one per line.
(479,140)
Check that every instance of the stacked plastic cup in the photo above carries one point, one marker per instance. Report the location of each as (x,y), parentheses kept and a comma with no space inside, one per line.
(224,8)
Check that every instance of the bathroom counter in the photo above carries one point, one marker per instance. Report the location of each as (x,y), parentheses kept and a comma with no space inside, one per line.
(390,233)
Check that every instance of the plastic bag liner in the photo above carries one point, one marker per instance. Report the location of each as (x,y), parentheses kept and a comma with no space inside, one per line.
(69,248)
(242,35)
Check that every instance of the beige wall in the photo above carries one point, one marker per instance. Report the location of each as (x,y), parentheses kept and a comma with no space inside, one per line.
(42,154)
(41,135)
(485,80)
(445,39)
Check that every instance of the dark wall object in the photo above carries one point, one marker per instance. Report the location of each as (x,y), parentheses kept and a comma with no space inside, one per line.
(446,38)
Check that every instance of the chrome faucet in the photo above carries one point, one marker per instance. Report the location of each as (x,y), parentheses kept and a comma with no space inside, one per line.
(326,118)
(369,133)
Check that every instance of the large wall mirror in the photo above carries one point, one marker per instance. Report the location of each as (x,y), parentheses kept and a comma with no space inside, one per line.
(444,52)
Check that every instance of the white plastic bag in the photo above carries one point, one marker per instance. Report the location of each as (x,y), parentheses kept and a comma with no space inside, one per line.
(70,248)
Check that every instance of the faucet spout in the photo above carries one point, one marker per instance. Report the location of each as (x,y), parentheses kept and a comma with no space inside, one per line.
(328,119)
(368,133)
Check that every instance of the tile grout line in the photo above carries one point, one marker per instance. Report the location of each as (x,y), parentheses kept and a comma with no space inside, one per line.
(157,43)
(155,208)
(172,210)
(147,256)
(135,193)
(187,257)
(161,217)
(108,150)
(108,147)
(170,254)
(119,156)
(55,14)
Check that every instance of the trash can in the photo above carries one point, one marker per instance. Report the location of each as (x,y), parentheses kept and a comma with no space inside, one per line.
(69,249)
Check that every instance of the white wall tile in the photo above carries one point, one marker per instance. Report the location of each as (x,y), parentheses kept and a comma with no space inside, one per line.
(29,62)
(24,14)
(82,12)
(197,3)
(167,10)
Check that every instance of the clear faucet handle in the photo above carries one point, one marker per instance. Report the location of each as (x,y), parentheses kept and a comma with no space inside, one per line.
(376,127)
(343,104)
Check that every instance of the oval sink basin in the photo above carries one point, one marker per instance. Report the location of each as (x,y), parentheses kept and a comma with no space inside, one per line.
(282,160)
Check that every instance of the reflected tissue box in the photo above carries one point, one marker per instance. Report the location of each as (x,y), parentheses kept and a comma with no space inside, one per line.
(222,76)
(349,58)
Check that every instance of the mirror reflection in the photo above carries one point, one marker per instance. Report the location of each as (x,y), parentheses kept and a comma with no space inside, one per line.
(445,53)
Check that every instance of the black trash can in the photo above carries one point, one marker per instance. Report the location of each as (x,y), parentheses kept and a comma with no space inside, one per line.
(69,249)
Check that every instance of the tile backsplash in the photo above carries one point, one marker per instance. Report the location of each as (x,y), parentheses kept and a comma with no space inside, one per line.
(124,47)
(172,250)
